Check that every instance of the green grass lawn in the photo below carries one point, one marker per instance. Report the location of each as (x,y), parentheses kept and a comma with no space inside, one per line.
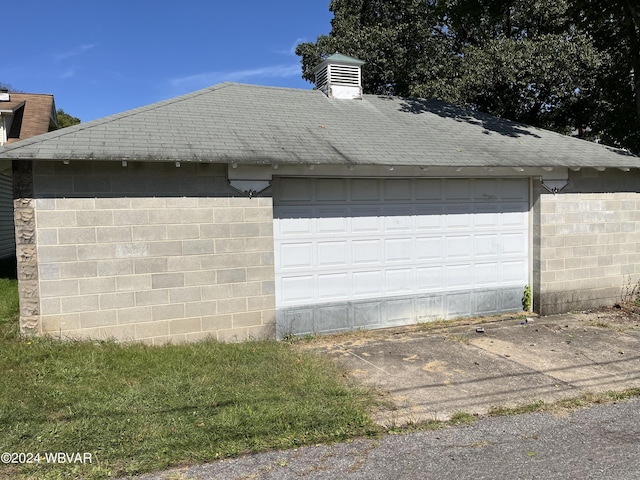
(138,408)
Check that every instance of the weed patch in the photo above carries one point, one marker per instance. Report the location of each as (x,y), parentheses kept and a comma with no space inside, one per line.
(567,405)
(462,418)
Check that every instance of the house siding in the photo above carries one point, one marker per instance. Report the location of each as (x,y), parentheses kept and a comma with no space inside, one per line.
(7,228)
(586,241)
(150,252)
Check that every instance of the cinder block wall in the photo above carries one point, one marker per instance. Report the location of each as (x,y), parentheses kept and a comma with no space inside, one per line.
(151,252)
(586,241)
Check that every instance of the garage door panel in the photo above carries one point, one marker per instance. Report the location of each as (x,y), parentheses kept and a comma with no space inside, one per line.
(459,247)
(331,190)
(430,249)
(395,190)
(459,217)
(399,280)
(514,189)
(459,304)
(366,220)
(367,315)
(486,274)
(510,299)
(366,251)
(429,218)
(513,271)
(513,216)
(429,189)
(430,279)
(333,286)
(487,245)
(431,307)
(296,322)
(333,253)
(514,243)
(365,190)
(297,290)
(332,220)
(486,302)
(294,221)
(296,255)
(397,250)
(398,219)
(486,190)
(294,190)
(486,218)
(331,319)
(398,312)
(458,276)
(367,283)
(457,190)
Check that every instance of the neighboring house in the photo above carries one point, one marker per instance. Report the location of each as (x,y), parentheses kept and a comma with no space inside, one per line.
(22,115)
(243,211)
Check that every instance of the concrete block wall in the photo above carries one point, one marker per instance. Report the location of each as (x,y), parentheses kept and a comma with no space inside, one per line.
(586,241)
(151,252)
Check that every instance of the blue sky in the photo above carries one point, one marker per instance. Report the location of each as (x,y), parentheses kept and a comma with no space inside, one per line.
(101,57)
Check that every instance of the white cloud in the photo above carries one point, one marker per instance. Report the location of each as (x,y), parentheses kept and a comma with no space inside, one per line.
(74,52)
(291,51)
(201,80)
(68,73)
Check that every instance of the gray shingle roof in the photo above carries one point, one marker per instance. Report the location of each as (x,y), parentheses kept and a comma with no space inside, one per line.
(252,124)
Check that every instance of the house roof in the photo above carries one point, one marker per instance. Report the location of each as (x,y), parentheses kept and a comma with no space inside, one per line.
(37,115)
(249,124)
(11,106)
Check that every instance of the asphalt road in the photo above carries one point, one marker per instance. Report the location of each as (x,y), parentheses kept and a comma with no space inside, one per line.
(597,442)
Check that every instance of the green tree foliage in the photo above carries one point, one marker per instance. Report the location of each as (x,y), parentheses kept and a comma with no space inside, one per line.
(521,59)
(612,107)
(66,120)
(550,63)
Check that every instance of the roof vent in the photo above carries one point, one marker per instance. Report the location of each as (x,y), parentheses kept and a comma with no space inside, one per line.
(340,76)
(4,95)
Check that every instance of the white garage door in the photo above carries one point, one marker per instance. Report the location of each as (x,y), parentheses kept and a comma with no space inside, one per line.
(370,253)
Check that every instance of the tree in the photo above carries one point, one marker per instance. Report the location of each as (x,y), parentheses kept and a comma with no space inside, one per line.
(613,105)
(550,63)
(521,60)
(66,120)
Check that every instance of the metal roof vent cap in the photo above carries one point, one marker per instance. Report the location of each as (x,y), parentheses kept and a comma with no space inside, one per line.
(340,76)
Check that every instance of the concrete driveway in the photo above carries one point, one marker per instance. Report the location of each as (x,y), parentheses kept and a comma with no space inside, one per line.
(425,372)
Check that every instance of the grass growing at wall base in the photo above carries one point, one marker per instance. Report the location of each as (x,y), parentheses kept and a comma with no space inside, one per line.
(139,408)
(9,304)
